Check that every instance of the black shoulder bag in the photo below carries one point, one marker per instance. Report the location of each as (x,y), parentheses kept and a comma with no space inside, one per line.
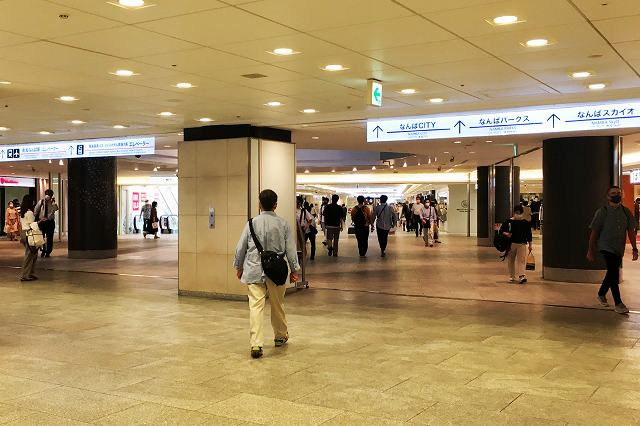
(273,264)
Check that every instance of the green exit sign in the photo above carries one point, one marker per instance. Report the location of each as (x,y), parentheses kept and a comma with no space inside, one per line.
(374,92)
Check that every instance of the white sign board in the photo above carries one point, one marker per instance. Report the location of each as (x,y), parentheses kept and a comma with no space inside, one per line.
(78,149)
(635,177)
(507,122)
(17,181)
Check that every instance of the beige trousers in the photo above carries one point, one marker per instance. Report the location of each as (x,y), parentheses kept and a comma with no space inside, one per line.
(257,295)
(427,233)
(517,259)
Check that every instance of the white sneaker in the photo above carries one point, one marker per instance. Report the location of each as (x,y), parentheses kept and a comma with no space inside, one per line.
(603,301)
(621,308)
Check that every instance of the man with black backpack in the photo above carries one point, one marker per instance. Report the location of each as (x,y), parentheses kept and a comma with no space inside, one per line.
(259,262)
(609,230)
(361,218)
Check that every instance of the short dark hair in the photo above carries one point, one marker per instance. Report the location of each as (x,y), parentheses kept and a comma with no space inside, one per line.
(268,199)
(335,198)
(299,200)
(613,187)
(49,192)
(383,198)
(155,203)
(518,209)
(360,199)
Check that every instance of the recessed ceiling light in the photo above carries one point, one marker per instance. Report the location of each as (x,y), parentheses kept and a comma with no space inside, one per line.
(315,137)
(67,98)
(184,85)
(44,132)
(61,163)
(306,171)
(581,74)
(436,100)
(309,111)
(124,73)
(334,67)
(505,20)
(408,91)
(4,129)
(274,104)
(77,122)
(155,169)
(205,120)
(166,114)
(597,86)
(405,164)
(537,42)
(472,152)
(333,170)
(458,142)
(167,146)
(135,168)
(489,141)
(131,3)
(6,83)
(283,51)
(392,166)
(355,169)
(119,126)
(446,152)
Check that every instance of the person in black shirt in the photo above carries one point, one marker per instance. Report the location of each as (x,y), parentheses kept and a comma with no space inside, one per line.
(535,213)
(518,230)
(333,222)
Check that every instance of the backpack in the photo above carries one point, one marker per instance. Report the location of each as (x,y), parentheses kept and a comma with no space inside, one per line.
(502,243)
(273,264)
(359,219)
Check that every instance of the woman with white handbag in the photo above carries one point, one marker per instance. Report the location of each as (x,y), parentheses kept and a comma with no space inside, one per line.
(31,237)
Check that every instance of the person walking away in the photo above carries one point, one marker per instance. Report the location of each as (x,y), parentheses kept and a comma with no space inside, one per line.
(408,216)
(609,229)
(45,213)
(334,223)
(12,222)
(535,213)
(306,221)
(361,218)
(154,221)
(428,220)
(274,233)
(27,217)
(528,213)
(417,211)
(325,202)
(518,230)
(384,220)
(145,214)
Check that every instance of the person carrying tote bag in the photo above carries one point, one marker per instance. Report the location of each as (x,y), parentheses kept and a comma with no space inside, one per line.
(30,237)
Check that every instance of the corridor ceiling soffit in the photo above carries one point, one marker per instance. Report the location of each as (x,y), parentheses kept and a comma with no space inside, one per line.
(449,50)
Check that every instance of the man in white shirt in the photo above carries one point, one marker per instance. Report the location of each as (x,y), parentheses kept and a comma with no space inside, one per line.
(417,210)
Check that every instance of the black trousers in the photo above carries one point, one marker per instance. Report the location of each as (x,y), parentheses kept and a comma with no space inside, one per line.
(417,224)
(362,235)
(535,221)
(311,237)
(383,238)
(146,225)
(612,279)
(48,228)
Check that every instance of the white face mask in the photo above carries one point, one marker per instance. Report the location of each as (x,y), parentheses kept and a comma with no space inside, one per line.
(47,197)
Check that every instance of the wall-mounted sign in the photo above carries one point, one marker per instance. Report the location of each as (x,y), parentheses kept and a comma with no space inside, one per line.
(570,118)
(374,92)
(635,177)
(78,149)
(17,181)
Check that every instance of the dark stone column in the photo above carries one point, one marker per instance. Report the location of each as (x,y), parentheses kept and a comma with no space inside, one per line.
(577,173)
(93,208)
(503,193)
(482,206)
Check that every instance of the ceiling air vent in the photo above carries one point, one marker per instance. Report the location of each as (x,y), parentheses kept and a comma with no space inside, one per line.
(255,75)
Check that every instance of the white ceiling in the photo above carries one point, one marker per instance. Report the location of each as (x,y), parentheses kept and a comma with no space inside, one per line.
(441,48)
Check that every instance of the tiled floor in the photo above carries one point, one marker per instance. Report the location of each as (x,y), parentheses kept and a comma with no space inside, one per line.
(87,348)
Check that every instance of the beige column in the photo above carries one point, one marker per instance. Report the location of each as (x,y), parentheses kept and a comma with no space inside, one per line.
(225,175)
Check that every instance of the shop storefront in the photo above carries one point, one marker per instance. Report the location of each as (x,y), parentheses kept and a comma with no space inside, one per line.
(133,194)
(14,188)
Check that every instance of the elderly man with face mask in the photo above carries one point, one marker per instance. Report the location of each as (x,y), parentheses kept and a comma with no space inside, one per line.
(45,213)
(609,230)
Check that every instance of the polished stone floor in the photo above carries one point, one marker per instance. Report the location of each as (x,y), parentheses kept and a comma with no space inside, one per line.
(100,348)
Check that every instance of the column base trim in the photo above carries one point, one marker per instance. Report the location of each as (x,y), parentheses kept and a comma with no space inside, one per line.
(93,254)
(485,242)
(580,276)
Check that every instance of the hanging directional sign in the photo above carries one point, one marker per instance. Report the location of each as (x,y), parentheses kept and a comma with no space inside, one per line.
(570,118)
(374,92)
(78,149)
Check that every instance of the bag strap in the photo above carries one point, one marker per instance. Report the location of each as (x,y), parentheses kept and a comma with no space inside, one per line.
(255,239)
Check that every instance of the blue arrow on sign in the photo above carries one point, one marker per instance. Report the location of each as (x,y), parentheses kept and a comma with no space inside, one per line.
(378,129)
(553,119)
(459,125)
